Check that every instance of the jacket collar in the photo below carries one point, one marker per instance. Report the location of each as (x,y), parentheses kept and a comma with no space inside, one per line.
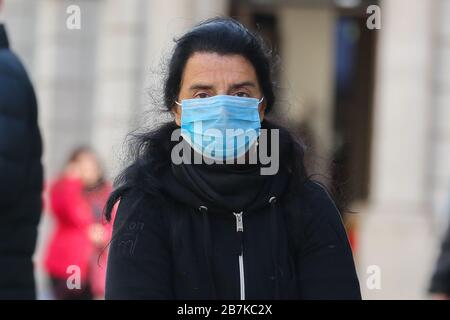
(3,37)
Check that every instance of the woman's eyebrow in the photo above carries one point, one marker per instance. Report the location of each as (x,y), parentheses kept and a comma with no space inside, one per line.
(201,86)
(243,84)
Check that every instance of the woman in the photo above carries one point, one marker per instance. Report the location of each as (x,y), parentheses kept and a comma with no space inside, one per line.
(190,230)
(77,199)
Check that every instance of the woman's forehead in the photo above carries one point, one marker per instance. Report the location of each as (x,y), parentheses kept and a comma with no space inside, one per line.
(214,69)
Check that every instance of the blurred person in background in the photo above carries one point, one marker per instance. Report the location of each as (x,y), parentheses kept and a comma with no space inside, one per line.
(440,282)
(20,176)
(77,199)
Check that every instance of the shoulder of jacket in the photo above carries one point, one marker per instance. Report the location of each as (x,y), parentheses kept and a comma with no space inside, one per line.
(316,202)
(10,64)
(141,205)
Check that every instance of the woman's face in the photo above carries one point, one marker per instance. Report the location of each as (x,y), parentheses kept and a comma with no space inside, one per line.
(209,74)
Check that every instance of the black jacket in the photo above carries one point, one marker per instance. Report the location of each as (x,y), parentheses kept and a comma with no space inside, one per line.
(20,176)
(440,282)
(187,244)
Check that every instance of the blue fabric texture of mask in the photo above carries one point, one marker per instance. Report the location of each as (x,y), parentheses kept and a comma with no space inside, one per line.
(220,127)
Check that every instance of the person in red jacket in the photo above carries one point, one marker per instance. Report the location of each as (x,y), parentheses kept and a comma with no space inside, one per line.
(76,252)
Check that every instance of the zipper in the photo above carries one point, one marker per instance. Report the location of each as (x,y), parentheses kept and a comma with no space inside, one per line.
(240,231)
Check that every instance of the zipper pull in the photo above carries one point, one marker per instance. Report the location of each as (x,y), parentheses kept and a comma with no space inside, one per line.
(239,222)
(240,233)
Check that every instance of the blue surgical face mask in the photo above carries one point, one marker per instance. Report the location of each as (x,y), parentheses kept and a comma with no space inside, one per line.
(220,127)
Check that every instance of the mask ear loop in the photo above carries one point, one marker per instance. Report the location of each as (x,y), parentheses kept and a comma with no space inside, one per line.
(178,103)
(257,140)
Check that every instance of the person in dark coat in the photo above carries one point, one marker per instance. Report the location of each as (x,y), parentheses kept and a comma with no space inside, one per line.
(440,280)
(20,176)
(224,229)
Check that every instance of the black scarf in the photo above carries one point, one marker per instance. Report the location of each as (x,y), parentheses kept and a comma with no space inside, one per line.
(230,187)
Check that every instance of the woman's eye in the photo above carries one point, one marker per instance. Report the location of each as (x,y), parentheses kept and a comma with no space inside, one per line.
(242,94)
(201,95)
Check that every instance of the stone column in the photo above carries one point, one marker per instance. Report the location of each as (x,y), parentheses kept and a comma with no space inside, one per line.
(440,133)
(396,232)
(403,103)
(116,78)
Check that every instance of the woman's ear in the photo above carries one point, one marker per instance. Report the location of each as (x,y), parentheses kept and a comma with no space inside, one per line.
(262,109)
(176,110)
